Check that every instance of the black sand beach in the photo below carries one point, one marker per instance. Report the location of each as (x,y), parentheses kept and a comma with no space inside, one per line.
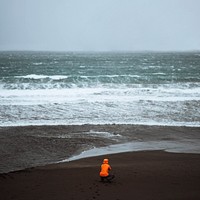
(28,152)
(139,175)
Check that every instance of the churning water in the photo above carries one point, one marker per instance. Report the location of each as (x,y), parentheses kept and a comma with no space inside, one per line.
(39,88)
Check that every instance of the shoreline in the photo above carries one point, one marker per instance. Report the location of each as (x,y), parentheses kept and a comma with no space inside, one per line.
(31,146)
(105,124)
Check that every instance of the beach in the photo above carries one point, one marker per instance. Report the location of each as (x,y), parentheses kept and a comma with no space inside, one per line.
(30,146)
(139,175)
(34,162)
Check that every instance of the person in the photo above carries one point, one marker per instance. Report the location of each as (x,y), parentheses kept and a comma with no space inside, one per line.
(104,173)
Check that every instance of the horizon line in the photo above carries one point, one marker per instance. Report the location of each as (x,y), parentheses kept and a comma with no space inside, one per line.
(103,51)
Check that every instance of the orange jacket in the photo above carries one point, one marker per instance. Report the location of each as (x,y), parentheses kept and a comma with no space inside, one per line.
(105,167)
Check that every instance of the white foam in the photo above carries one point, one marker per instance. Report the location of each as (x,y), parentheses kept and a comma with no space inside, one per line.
(185,146)
(98,94)
(58,77)
(162,105)
(41,76)
(102,134)
(38,63)
(34,76)
(93,122)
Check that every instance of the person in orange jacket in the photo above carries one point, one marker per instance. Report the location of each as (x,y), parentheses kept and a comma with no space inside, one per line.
(104,173)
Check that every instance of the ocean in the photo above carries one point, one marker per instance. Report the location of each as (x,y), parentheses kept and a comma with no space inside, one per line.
(74,88)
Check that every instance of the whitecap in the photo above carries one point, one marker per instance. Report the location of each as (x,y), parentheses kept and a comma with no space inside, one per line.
(159,73)
(41,76)
(38,63)
(58,77)
(32,76)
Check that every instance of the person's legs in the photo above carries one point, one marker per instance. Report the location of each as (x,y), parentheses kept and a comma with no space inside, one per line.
(110,177)
(102,178)
(107,178)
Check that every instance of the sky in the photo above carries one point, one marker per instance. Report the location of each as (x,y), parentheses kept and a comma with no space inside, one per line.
(100,25)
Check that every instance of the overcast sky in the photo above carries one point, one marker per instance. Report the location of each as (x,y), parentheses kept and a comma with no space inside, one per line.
(100,25)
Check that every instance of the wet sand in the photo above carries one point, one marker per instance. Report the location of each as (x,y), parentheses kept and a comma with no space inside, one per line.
(28,152)
(31,146)
(140,175)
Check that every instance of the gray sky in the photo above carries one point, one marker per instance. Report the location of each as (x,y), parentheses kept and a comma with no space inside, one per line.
(100,25)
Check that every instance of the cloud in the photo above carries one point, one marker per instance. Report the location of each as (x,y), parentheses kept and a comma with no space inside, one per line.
(99,25)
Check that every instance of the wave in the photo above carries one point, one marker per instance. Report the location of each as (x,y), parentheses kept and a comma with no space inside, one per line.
(41,81)
(58,77)
(159,73)
(34,76)
(100,88)
(35,82)
(98,105)
(38,63)
(97,95)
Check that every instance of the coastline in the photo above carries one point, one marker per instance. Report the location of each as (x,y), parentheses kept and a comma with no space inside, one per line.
(31,146)
(32,154)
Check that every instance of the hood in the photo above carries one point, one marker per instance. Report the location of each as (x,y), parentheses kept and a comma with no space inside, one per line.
(105,161)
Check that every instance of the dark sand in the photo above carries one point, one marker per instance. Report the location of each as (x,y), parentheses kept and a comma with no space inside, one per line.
(139,175)
(155,175)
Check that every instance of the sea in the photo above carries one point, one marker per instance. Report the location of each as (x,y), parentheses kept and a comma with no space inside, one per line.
(75,88)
